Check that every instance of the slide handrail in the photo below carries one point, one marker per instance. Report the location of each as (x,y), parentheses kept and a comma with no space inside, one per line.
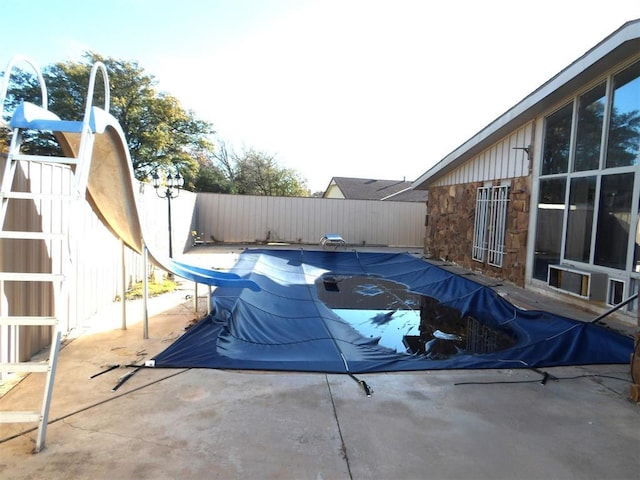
(86,138)
(92,82)
(118,212)
(7,75)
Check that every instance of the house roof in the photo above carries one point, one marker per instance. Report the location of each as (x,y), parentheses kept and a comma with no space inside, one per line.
(618,46)
(373,189)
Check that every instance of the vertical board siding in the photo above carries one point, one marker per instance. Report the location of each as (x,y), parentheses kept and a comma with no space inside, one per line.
(504,159)
(95,260)
(247,219)
(96,253)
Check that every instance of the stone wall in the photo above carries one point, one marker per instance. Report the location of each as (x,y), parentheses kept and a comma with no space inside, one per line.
(449,233)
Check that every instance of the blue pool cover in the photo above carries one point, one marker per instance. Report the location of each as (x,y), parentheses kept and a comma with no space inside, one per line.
(285,325)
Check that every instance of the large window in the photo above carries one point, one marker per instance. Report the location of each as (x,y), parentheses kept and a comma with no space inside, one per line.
(589,135)
(614,220)
(588,179)
(551,199)
(582,195)
(624,128)
(557,133)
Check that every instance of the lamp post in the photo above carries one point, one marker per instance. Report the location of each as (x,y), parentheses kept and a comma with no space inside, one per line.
(170,189)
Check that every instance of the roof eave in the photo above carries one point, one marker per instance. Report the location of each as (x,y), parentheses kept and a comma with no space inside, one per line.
(621,44)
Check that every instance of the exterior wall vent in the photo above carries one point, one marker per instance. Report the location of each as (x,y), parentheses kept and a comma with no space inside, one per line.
(615,291)
(587,285)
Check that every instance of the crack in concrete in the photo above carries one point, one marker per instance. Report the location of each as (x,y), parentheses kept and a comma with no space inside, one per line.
(343,446)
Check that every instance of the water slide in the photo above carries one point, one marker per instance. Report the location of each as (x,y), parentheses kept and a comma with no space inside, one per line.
(105,168)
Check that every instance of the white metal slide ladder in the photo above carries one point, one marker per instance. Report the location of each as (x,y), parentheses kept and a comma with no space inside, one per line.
(57,238)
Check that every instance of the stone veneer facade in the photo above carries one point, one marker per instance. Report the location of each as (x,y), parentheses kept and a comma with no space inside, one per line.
(449,231)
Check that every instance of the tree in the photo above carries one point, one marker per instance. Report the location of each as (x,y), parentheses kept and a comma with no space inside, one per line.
(258,173)
(623,143)
(209,178)
(158,130)
(225,161)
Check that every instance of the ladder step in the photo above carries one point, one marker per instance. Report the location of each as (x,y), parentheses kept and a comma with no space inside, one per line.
(28,320)
(19,417)
(31,235)
(28,367)
(31,277)
(44,159)
(36,196)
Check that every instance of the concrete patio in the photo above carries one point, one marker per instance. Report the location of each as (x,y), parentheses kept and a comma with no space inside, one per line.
(198,423)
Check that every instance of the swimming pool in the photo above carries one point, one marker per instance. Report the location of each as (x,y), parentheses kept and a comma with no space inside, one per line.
(355,312)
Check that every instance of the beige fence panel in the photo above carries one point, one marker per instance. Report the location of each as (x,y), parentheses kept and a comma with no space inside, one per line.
(154,217)
(95,258)
(247,219)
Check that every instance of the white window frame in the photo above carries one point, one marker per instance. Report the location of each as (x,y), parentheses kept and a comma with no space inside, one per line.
(490,224)
(480,224)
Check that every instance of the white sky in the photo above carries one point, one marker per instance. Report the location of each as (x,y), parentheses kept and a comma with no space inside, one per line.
(356,88)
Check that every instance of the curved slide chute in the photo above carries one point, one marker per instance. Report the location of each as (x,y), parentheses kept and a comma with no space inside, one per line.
(108,172)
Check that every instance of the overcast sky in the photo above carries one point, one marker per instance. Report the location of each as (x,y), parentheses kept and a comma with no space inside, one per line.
(355,88)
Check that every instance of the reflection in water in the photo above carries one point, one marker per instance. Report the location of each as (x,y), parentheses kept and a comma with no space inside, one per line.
(390,326)
(406,321)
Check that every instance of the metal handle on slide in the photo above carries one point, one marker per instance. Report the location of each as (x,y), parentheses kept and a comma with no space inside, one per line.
(92,83)
(7,76)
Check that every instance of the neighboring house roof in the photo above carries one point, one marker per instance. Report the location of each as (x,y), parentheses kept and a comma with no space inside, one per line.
(372,189)
(618,46)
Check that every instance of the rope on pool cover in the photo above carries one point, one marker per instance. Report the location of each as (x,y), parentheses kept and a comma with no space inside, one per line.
(543,380)
(367,389)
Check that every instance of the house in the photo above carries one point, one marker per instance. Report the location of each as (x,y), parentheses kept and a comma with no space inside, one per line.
(371,189)
(547,195)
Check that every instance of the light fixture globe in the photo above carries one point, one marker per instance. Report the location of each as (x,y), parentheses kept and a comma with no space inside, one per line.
(155,180)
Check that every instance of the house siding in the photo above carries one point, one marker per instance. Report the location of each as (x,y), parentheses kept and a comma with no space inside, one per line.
(449,233)
(451,206)
(333,192)
(498,152)
(504,159)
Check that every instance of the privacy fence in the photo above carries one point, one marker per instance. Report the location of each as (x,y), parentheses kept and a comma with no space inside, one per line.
(91,258)
(251,219)
(95,257)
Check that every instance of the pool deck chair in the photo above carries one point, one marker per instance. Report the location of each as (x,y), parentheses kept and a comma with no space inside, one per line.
(332,240)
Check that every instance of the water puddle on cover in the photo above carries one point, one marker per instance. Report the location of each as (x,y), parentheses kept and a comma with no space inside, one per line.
(406,321)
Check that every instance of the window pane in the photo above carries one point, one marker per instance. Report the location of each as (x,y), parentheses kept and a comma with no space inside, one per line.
(557,135)
(614,216)
(623,148)
(497,225)
(582,196)
(549,226)
(590,119)
(480,227)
